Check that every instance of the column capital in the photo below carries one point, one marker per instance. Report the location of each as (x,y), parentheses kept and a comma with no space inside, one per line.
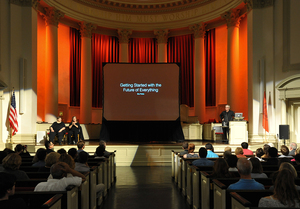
(232,17)
(199,29)
(162,35)
(27,3)
(52,16)
(86,29)
(124,35)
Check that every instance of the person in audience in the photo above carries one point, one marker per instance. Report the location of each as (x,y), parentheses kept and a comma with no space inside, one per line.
(82,165)
(227,149)
(22,150)
(273,156)
(57,128)
(40,157)
(49,146)
(62,151)
(226,155)
(11,164)
(74,129)
(293,147)
(7,189)
(257,170)
(297,160)
(100,151)
(239,152)
(246,151)
(232,162)
(106,153)
(244,167)
(288,166)
(220,169)
(50,159)
(191,153)
(73,153)
(259,153)
(285,193)
(60,179)
(2,156)
(203,161)
(185,146)
(266,148)
(8,151)
(80,146)
(285,152)
(67,159)
(210,151)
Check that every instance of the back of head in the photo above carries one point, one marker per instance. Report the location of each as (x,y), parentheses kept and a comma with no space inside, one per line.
(266,148)
(62,151)
(67,159)
(256,165)
(232,161)
(102,142)
(7,181)
(57,171)
(259,152)
(19,148)
(244,166)
(72,152)
(288,166)
(2,156)
(51,159)
(8,151)
(209,146)
(239,151)
(185,145)
(273,152)
(41,154)
(284,150)
(191,148)
(293,145)
(100,150)
(12,161)
(227,149)
(83,157)
(220,167)
(202,152)
(244,145)
(80,144)
(226,155)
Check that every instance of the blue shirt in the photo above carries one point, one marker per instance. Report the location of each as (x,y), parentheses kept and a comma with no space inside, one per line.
(246,184)
(210,154)
(203,162)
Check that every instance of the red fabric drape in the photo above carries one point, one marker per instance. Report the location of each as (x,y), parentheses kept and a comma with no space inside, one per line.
(142,50)
(181,50)
(104,49)
(75,62)
(210,68)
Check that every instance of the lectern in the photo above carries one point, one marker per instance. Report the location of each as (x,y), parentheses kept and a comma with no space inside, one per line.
(238,132)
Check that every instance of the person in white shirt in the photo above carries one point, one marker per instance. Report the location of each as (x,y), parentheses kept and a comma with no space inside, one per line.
(60,179)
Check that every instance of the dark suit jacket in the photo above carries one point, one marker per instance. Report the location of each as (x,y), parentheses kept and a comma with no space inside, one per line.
(228,116)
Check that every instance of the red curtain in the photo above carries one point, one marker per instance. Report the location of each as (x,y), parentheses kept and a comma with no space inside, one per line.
(75,62)
(142,50)
(210,68)
(181,50)
(104,49)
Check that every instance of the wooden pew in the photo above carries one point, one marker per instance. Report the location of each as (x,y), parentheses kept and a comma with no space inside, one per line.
(84,192)
(93,183)
(29,168)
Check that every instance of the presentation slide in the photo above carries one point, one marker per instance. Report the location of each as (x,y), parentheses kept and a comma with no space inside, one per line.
(141,92)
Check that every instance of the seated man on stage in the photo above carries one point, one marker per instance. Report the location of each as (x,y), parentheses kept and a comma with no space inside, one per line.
(226,116)
(57,128)
(74,129)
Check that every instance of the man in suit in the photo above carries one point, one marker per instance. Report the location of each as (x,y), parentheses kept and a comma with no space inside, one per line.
(226,116)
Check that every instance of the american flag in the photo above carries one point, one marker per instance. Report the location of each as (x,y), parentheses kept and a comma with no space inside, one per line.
(13,115)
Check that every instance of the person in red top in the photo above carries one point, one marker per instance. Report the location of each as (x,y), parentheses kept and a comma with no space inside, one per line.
(244,145)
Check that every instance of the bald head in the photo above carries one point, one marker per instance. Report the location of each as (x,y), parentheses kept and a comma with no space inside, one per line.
(244,166)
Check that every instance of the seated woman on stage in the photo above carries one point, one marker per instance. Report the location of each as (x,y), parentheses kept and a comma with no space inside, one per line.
(74,129)
(57,128)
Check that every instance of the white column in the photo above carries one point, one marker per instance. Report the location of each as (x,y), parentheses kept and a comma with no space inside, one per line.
(162,40)
(199,71)
(86,72)
(283,111)
(51,63)
(124,35)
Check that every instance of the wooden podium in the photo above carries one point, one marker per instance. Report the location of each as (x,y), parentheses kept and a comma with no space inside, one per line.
(238,132)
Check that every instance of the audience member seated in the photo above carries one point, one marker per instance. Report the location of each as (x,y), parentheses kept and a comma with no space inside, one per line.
(266,148)
(80,146)
(185,146)
(232,162)
(62,151)
(259,153)
(57,128)
(226,154)
(100,151)
(67,159)
(293,147)
(106,153)
(49,146)
(39,158)
(246,151)
(273,156)
(244,167)
(8,151)
(191,154)
(220,169)
(285,152)
(2,156)
(60,179)
(73,153)
(21,150)
(203,161)
(74,129)
(227,149)
(7,188)
(257,170)
(50,159)
(210,151)
(239,152)
(11,164)
(285,193)
(297,160)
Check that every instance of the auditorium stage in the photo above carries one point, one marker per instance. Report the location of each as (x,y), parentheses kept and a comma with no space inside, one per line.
(145,154)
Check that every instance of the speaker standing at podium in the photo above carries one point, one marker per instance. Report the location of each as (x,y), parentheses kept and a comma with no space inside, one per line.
(226,116)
